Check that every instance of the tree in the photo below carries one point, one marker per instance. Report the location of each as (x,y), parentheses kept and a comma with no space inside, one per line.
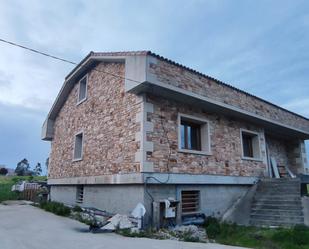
(3,171)
(23,168)
(38,169)
(47,163)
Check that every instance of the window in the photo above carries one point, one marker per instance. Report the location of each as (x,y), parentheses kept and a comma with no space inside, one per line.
(82,90)
(193,135)
(78,146)
(190,135)
(80,194)
(250,145)
(190,201)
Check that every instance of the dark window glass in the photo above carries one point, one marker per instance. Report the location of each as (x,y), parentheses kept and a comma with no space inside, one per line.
(247,145)
(78,148)
(190,135)
(82,89)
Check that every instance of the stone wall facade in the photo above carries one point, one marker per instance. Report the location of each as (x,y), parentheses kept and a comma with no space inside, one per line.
(108,121)
(126,133)
(226,151)
(278,149)
(288,152)
(178,76)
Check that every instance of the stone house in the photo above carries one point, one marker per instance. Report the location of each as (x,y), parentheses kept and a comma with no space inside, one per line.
(130,127)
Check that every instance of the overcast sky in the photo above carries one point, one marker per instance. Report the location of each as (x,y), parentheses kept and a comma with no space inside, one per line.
(259,46)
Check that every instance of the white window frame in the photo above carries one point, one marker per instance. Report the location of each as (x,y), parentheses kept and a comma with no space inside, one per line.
(257,134)
(79,101)
(205,145)
(82,146)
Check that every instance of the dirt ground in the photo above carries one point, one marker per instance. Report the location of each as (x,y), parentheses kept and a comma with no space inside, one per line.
(27,227)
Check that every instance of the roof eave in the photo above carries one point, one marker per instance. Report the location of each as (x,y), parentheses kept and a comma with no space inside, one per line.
(181,95)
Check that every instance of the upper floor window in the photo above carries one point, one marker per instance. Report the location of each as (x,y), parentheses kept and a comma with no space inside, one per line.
(82,89)
(78,146)
(193,134)
(190,135)
(250,144)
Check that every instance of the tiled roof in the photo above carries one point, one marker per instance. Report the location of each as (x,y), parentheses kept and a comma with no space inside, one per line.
(146,52)
(124,53)
(223,83)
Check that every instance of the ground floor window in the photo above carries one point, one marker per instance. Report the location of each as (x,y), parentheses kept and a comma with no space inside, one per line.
(80,194)
(190,201)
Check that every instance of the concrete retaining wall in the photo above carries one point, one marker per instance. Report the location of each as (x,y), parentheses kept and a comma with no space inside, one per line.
(215,200)
(113,198)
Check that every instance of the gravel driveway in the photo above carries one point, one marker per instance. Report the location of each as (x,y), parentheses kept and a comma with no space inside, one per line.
(27,227)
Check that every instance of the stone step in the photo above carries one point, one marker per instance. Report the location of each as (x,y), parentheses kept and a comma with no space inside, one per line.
(276,192)
(277,196)
(275,185)
(286,218)
(278,187)
(282,183)
(275,207)
(274,180)
(275,223)
(281,212)
(277,202)
(266,198)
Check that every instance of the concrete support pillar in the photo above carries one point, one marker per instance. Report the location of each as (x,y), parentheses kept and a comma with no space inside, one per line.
(156,215)
(297,156)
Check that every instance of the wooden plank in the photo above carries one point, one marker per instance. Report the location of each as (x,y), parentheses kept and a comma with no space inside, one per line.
(290,172)
(274,167)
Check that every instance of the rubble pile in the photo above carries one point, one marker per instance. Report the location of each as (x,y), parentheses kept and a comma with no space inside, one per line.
(191,230)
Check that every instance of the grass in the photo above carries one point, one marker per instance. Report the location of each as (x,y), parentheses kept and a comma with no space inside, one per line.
(56,208)
(260,238)
(6,183)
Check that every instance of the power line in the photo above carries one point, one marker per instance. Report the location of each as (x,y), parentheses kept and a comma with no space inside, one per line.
(37,51)
(112,74)
(63,60)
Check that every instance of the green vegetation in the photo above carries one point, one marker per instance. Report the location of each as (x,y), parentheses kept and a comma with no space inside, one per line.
(189,237)
(56,208)
(77,208)
(6,183)
(260,238)
(149,233)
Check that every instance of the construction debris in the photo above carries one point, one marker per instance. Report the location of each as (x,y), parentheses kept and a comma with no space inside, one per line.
(120,221)
(192,231)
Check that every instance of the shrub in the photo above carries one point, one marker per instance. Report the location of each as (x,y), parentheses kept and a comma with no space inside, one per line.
(56,208)
(213,228)
(77,208)
(300,235)
(189,237)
